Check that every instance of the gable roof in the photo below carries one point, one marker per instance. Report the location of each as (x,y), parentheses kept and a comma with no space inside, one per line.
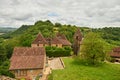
(78,35)
(62,38)
(27,58)
(54,40)
(39,39)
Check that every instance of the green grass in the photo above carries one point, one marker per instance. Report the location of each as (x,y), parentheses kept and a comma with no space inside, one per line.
(77,71)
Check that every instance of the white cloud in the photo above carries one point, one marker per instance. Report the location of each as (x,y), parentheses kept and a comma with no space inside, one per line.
(92,13)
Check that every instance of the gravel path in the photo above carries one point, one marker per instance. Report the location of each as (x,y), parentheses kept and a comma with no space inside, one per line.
(56,64)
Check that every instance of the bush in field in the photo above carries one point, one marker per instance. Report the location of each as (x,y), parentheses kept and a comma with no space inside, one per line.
(93,49)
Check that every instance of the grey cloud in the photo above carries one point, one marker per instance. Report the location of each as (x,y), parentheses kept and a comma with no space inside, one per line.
(76,12)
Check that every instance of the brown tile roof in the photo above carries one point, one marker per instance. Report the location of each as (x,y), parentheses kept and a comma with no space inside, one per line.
(39,39)
(65,42)
(27,58)
(54,40)
(78,33)
(62,38)
(116,55)
(48,40)
(115,52)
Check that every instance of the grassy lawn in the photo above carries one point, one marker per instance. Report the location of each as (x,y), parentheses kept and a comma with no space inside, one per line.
(77,71)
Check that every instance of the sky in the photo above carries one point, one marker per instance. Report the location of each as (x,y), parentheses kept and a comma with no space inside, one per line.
(90,13)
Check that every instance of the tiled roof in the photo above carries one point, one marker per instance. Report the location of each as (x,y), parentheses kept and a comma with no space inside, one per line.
(115,52)
(78,35)
(27,58)
(54,40)
(117,55)
(39,39)
(62,38)
(65,42)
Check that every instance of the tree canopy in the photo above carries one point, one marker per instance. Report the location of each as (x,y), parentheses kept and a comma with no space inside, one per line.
(92,49)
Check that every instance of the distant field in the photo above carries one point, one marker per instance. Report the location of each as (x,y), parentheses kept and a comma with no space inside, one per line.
(5,30)
(77,71)
(1,33)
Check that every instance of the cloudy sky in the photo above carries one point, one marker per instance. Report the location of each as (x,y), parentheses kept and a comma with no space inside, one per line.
(92,13)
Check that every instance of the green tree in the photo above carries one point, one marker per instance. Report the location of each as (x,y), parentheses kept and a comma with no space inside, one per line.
(93,50)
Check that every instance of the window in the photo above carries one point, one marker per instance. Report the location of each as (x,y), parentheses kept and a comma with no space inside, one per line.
(37,44)
(20,72)
(23,72)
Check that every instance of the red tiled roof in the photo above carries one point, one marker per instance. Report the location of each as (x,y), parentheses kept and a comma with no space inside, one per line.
(27,58)
(115,52)
(62,38)
(54,40)
(39,39)
(78,35)
(65,42)
(117,55)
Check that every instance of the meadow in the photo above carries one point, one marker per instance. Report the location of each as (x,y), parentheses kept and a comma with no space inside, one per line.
(77,71)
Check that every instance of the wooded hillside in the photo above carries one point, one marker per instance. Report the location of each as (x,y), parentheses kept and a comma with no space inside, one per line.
(27,33)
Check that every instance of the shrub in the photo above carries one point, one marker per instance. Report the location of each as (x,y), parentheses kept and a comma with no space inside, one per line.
(57,52)
(6,73)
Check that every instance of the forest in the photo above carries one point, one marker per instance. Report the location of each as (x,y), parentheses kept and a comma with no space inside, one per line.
(24,36)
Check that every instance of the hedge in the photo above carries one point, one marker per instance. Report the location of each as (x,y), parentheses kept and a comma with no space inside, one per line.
(58,52)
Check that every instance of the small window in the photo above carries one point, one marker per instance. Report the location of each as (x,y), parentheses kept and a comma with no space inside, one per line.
(37,44)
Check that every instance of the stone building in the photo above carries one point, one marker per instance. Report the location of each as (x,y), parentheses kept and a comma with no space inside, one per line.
(28,62)
(116,54)
(64,41)
(39,41)
(77,41)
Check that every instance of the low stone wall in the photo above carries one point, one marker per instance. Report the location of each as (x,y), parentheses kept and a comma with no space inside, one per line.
(62,62)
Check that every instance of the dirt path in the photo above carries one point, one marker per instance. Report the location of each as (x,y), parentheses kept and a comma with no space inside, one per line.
(55,63)
(44,77)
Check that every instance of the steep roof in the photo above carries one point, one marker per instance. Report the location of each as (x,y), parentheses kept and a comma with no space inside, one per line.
(78,35)
(62,38)
(39,39)
(27,58)
(54,40)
